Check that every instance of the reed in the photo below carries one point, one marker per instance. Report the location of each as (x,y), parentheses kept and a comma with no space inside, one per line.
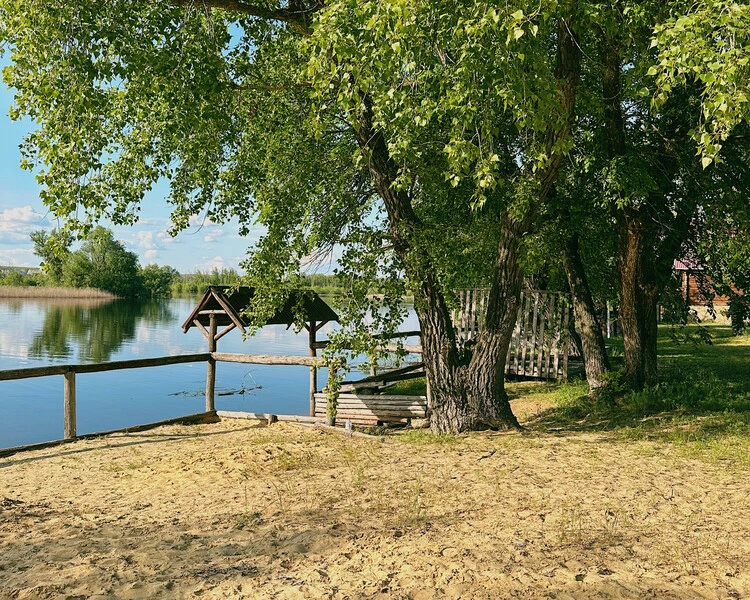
(52,292)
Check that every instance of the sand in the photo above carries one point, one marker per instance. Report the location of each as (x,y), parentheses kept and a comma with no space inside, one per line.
(234,510)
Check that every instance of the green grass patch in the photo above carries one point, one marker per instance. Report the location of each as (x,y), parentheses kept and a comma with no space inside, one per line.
(701,405)
(409,387)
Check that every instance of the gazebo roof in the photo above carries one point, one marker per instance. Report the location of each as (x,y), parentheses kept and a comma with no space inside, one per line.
(226,303)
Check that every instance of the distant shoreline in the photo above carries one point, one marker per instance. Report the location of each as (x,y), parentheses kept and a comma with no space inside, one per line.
(33,291)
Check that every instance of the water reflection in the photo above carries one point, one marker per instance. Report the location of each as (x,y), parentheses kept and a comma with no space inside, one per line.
(93,330)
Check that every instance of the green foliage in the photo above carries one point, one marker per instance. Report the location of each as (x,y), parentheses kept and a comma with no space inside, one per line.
(708,44)
(157,281)
(739,313)
(196,283)
(15,279)
(103,263)
(53,249)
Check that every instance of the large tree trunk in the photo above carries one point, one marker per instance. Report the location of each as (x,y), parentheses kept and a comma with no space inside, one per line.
(638,289)
(638,300)
(595,358)
(486,373)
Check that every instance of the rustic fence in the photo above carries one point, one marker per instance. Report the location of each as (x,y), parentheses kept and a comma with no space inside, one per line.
(69,373)
(540,345)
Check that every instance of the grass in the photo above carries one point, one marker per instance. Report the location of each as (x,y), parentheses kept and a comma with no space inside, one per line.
(409,387)
(701,404)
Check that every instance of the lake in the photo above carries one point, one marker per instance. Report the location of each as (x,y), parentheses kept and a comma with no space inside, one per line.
(37,332)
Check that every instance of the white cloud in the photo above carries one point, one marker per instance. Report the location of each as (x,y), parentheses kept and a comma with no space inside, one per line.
(213,235)
(146,240)
(217,262)
(200,221)
(17,223)
(18,257)
(164,237)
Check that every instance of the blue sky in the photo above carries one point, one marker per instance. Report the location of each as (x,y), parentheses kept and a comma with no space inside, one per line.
(201,247)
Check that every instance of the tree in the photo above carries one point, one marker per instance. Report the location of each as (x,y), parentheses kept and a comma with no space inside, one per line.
(416,108)
(53,249)
(103,263)
(157,281)
(657,188)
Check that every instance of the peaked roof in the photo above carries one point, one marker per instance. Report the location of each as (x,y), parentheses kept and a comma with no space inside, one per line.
(227,303)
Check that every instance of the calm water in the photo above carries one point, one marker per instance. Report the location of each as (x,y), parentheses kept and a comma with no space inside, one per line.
(43,332)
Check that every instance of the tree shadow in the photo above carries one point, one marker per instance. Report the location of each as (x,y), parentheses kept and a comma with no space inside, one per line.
(703,393)
(127,439)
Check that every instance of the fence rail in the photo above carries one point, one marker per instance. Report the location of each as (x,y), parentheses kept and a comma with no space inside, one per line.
(69,373)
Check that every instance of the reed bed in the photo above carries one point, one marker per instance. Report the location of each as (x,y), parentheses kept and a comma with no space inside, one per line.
(53,292)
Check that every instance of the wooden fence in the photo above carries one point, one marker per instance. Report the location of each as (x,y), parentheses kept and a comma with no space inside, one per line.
(69,373)
(540,345)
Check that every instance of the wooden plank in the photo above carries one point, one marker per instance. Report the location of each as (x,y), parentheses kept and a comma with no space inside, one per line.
(224,331)
(411,349)
(211,367)
(483,310)
(343,431)
(31,372)
(312,333)
(344,413)
(405,398)
(380,405)
(464,314)
(532,359)
(230,312)
(552,322)
(542,323)
(199,418)
(298,419)
(267,359)
(385,406)
(69,406)
(517,341)
(566,344)
(397,334)
(389,408)
(473,323)
(556,343)
(526,331)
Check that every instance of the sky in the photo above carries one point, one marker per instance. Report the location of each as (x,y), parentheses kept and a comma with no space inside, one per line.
(203,246)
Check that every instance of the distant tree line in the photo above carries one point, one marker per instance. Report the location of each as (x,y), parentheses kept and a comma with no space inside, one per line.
(102,262)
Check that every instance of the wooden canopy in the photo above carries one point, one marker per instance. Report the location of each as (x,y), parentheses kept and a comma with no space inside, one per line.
(226,303)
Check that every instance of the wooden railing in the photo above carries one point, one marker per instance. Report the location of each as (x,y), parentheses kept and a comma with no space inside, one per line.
(69,372)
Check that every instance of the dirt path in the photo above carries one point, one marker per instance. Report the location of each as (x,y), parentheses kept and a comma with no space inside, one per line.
(236,511)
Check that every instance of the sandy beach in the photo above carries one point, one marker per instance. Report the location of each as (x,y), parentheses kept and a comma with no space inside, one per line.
(238,510)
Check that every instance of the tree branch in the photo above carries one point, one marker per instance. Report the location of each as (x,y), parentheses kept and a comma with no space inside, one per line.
(295,17)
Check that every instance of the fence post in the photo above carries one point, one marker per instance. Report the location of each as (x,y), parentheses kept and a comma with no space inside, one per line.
(313,370)
(211,372)
(69,407)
